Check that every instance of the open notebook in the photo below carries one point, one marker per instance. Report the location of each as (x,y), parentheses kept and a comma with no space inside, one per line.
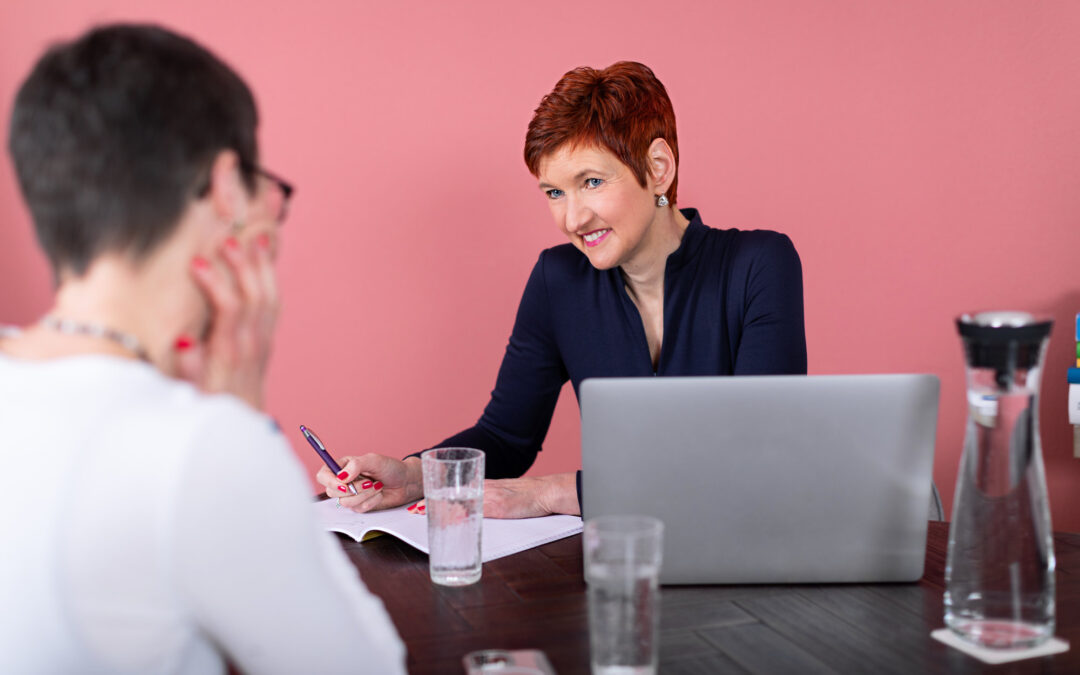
(499,538)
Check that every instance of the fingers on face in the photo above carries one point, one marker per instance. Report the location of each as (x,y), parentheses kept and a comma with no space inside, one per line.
(220,291)
(263,259)
(243,286)
(262,278)
(253,264)
(252,267)
(240,262)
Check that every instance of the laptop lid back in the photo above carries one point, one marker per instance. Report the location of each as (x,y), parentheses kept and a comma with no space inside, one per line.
(768,479)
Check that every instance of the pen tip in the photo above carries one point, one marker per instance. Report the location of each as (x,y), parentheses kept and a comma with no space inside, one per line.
(303,428)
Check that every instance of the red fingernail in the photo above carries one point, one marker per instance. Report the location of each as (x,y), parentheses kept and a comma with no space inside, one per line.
(232,244)
(342,488)
(411,507)
(377,485)
(200,263)
(365,485)
(183,342)
(422,508)
(263,240)
(343,475)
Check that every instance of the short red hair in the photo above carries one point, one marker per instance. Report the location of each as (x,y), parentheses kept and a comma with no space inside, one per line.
(622,108)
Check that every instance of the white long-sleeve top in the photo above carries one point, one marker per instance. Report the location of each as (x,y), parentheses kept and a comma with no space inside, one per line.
(146,527)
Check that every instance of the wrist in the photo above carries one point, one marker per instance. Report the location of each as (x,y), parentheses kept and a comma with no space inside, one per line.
(414,478)
(559,493)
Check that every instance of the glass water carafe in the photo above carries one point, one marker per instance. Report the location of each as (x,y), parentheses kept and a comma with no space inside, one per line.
(999,577)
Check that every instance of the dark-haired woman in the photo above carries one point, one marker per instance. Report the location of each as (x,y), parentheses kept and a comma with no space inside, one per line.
(125,547)
(642,289)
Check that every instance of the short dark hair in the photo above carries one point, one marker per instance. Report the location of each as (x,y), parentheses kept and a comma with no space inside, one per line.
(114,133)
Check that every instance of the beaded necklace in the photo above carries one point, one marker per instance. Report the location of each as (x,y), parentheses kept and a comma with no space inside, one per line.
(96,330)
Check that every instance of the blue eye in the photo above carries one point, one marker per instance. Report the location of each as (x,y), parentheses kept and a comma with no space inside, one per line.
(593,182)
(554,194)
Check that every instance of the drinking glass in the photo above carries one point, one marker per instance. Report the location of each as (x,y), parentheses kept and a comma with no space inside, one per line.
(454,493)
(622,570)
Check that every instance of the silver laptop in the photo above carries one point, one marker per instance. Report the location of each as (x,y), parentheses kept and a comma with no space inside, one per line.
(767,479)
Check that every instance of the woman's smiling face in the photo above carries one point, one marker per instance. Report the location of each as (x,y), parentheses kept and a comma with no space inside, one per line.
(598,203)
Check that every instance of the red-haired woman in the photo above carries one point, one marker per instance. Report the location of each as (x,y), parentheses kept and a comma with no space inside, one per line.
(642,289)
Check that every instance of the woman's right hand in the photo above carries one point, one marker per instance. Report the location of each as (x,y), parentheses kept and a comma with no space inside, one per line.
(390,482)
(240,288)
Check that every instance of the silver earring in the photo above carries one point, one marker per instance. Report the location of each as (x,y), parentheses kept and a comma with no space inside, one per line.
(662,200)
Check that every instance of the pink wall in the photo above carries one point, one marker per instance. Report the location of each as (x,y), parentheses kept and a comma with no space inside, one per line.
(924,157)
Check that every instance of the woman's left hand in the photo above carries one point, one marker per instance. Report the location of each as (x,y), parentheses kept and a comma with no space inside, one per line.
(527,497)
(241,288)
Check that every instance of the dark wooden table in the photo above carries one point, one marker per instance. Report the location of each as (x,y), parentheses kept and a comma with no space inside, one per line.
(536,600)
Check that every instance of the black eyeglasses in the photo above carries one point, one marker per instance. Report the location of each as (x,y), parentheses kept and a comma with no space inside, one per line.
(285,186)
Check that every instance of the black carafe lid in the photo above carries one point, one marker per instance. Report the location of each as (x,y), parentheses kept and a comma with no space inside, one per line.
(1004,341)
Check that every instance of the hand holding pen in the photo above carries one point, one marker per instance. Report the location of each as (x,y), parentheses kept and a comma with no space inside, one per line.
(329,462)
(370,481)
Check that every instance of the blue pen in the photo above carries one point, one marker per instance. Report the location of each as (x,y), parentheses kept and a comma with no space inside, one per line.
(321,449)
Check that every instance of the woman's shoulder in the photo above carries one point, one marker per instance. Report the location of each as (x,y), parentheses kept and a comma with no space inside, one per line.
(206,441)
(750,245)
(565,264)
(750,239)
(563,273)
(145,388)
(564,257)
(137,401)
(215,419)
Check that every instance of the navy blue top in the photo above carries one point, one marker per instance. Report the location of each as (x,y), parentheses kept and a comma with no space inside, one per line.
(733,305)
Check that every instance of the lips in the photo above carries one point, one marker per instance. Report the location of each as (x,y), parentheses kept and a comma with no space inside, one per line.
(594,238)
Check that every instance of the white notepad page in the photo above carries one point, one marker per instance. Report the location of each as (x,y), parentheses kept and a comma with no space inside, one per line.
(499,538)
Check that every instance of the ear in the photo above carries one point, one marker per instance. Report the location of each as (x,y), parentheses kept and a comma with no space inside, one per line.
(227,194)
(662,166)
